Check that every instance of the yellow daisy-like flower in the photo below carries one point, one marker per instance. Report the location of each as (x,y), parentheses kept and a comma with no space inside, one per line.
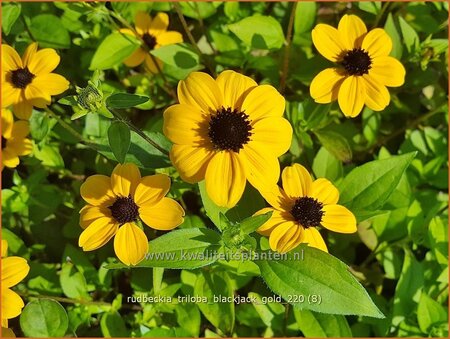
(14,141)
(154,33)
(227,131)
(365,67)
(14,270)
(28,82)
(117,203)
(301,206)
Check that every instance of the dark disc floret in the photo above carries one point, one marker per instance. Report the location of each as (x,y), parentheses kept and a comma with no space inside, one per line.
(21,77)
(307,212)
(357,62)
(229,129)
(124,210)
(150,41)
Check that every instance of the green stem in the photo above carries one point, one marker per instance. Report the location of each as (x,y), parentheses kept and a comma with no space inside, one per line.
(64,300)
(287,49)
(380,14)
(138,131)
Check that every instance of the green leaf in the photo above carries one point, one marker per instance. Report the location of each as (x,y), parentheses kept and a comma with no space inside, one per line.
(410,37)
(44,318)
(373,7)
(113,50)
(326,165)
(319,282)
(212,210)
(321,325)
(179,55)
(73,282)
(367,187)
(430,312)
(119,137)
(188,317)
(113,326)
(218,313)
(196,10)
(180,249)
(438,237)
(49,31)
(259,32)
(10,13)
(392,31)
(39,125)
(125,100)
(251,224)
(336,144)
(305,16)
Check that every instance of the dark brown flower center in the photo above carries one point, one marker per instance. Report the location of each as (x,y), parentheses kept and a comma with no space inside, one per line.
(124,210)
(150,41)
(3,142)
(307,212)
(21,77)
(229,130)
(357,62)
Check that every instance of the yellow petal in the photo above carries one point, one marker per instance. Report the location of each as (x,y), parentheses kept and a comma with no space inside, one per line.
(7,123)
(29,53)
(10,59)
(324,191)
(200,90)
(377,95)
(12,304)
(20,129)
(136,58)
(151,189)
(352,96)
(277,198)
(312,237)
(278,233)
(34,92)
(159,24)
(262,102)
(14,270)
(43,61)
(262,167)
(51,83)
(89,213)
(9,158)
(388,71)
(352,30)
(338,218)
(296,181)
(10,95)
(325,85)
(273,134)
(4,248)
(130,244)
(377,42)
(225,179)
(328,42)
(98,233)
(23,110)
(191,162)
(235,87)
(275,220)
(97,190)
(152,63)
(168,38)
(7,332)
(164,216)
(20,146)
(124,179)
(142,22)
(291,240)
(185,125)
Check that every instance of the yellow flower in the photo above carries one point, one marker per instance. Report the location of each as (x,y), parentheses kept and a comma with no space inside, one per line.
(154,33)
(116,204)
(365,67)
(28,82)
(301,206)
(14,143)
(227,131)
(14,270)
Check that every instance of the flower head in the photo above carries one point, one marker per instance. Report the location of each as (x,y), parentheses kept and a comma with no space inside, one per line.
(301,206)
(154,34)
(28,82)
(364,66)
(227,131)
(14,141)
(14,270)
(116,205)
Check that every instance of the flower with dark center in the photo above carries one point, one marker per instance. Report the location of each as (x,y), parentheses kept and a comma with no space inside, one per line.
(299,207)
(357,62)
(124,210)
(363,66)
(150,41)
(307,212)
(229,130)
(21,77)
